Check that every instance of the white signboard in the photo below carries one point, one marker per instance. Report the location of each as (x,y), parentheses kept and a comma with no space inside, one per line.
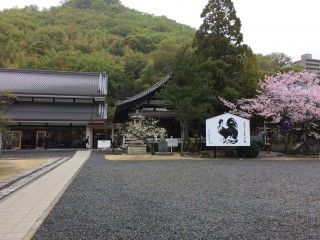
(172,142)
(227,130)
(104,144)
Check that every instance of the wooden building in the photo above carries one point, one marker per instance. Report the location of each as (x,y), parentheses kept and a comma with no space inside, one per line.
(150,105)
(67,107)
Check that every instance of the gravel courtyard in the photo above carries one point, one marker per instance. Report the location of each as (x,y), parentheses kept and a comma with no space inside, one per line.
(229,199)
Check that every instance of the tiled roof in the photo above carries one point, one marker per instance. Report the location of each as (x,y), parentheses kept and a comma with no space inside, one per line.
(41,111)
(124,107)
(151,89)
(39,82)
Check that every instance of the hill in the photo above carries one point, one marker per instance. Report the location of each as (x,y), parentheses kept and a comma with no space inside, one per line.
(134,48)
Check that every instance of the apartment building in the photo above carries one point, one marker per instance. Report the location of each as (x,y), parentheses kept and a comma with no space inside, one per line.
(310,64)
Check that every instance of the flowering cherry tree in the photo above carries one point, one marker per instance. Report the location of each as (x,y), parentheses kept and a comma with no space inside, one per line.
(290,100)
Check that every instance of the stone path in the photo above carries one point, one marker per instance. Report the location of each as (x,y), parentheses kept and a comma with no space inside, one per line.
(22,212)
(12,184)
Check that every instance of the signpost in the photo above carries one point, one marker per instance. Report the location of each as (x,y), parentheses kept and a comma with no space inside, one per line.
(104,144)
(172,142)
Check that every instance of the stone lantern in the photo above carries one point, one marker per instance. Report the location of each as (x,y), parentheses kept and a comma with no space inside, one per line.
(137,117)
(137,146)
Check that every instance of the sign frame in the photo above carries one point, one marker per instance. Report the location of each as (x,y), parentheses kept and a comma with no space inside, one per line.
(102,144)
(227,130)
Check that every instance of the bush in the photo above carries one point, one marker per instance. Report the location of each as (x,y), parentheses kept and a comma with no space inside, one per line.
(308,147)
(251,151)
(229,151)
(204,147)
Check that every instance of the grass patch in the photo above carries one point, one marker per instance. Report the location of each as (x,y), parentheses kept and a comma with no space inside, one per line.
(11,167)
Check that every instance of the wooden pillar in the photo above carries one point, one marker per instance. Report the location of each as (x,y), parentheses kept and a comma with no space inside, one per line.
(112,133)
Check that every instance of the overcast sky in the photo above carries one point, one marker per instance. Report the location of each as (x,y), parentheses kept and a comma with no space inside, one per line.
(288,26)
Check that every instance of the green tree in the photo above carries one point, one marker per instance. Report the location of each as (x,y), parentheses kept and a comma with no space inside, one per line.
(139,43)
(275,62)
(134,63)
(219,20)
(116,47)
(280,59)
(90,3)
(164,56)
(184,93)
(248,76)
(223,60)
(6,99)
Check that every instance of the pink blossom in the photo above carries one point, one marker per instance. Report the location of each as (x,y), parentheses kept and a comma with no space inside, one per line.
(292,95)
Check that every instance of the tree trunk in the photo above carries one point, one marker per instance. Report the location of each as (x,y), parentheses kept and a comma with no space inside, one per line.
(288,141)
(1,144)
(145,140)
(184,133)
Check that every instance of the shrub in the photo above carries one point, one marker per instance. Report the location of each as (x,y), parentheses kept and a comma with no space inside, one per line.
(229,151)
(251,151)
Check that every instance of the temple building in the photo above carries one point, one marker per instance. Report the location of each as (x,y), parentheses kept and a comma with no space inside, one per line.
(150,105)
(65,108)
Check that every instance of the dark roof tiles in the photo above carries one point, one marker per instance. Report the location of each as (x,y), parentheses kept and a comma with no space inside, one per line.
(37,82)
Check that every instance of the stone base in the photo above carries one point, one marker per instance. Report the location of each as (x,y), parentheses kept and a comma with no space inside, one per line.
(137,150)
(163,153)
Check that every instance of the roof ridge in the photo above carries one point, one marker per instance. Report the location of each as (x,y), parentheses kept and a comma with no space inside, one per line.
(49,71)
(148,90)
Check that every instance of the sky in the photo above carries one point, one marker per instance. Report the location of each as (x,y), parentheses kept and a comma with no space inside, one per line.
(287,26)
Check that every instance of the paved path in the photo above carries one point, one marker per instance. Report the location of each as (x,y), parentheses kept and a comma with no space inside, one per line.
(22,212)
(18,181)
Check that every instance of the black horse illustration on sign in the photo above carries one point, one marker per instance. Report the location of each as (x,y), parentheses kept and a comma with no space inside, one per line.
(229,133)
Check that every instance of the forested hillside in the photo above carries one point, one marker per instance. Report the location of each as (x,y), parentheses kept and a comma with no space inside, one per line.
(135,49)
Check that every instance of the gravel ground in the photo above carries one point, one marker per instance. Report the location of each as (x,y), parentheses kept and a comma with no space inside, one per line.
(188,200)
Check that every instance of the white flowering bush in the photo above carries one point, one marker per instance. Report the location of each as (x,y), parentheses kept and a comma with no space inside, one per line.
(142,130)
